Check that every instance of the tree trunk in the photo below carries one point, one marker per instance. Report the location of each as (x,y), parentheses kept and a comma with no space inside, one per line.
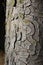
(23,25)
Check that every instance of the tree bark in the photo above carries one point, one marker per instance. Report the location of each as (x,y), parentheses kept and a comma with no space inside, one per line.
(24,24)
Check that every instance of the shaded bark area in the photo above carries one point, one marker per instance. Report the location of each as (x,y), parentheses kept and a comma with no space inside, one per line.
(41,31)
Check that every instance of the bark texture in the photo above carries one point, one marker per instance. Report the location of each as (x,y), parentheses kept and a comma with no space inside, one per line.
(24,21)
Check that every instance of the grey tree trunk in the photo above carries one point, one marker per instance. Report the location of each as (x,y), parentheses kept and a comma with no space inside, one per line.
(23,24)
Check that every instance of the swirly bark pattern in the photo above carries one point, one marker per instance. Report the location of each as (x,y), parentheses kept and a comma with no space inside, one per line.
(22,32)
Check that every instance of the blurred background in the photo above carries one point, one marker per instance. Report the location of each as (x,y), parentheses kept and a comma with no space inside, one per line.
(2,30)
(2,24)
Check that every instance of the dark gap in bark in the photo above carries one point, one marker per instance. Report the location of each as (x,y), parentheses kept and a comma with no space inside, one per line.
(15,3)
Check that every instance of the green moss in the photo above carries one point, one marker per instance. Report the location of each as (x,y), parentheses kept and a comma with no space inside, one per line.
(21,1)
(12,2)
(26,21)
